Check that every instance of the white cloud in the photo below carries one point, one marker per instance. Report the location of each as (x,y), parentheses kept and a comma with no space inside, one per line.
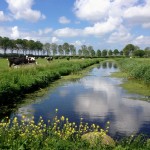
(102,28)
(54,40)
(98,29)
(142,40)
(21,9)
(92,10)
(139,14)
(121,35)
(15,32)
(44,31)
(67,32)
(64,20)
(78,43)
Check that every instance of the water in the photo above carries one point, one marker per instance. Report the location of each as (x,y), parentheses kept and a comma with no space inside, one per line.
(97,98)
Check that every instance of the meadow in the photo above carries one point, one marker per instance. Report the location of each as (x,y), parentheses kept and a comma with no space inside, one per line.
(16,82)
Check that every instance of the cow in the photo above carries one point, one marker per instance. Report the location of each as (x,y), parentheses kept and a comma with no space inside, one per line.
(49,58)
(31,60)
(15,61)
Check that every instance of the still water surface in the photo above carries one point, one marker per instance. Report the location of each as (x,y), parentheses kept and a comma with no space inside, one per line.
(97,98)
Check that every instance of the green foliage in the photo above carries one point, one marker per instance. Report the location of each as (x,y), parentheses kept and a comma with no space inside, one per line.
(128,49)
(136,68)
(116,52)
(98,53)
(139,53)
(104,52)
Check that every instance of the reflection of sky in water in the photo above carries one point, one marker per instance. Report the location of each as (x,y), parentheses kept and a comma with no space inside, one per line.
(97,98)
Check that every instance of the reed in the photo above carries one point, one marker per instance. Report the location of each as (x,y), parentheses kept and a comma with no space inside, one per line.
(136,68)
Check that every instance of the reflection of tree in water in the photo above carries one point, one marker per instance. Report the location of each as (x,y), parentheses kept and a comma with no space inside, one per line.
(99,66)
(115,65)
(104,65)
(110,64)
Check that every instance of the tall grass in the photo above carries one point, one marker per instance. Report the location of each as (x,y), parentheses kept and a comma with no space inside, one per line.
(136,69)
(17,82)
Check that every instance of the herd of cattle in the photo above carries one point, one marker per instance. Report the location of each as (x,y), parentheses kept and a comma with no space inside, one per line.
(16,61)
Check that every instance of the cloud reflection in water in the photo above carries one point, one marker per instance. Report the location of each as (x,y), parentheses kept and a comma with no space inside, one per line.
(105,98)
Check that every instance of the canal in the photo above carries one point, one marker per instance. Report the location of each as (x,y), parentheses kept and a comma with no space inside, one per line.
(97,98)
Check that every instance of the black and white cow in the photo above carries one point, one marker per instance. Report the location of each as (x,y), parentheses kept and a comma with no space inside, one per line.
(15,61)
(49,58)
(31,60)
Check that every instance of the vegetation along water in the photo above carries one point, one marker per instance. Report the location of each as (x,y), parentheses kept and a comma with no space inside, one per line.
(59,133)
(137,73)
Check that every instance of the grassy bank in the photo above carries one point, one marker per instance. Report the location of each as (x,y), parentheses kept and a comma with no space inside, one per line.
(60,134)
(137,73)
(26,79)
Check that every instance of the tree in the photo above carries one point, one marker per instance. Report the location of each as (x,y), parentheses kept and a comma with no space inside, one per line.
(139,53)
(110,52)
(92,53)
(104,52)
(116,52)
(5,44)
(90,49)
(121,53)
(60,50)
(80,52)
(24,46)
(31,46)
(147,51)
(47,48)
(12,46)
(128,49)
(54,48)
(72,49)
(98,53)
(85,50)
(38,46)
(66,48)
(136,48)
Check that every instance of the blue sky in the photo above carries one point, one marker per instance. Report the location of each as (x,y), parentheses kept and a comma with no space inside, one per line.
(103,24)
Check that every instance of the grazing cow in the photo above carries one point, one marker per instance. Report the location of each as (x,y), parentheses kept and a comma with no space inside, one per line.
(20,60)
(31,60)
(49,58)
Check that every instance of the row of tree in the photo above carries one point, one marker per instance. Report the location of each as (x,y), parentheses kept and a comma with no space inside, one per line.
(27,47)
(132,50)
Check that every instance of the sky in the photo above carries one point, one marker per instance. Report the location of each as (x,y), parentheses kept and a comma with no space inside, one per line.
(103,24)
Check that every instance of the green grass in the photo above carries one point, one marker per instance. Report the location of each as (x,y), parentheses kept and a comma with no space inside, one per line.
(29,78)
(137,73)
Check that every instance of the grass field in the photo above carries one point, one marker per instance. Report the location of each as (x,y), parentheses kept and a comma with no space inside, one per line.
(137,73)
(15,82)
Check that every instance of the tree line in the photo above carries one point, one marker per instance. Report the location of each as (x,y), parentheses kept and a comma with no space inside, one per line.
(36,48)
